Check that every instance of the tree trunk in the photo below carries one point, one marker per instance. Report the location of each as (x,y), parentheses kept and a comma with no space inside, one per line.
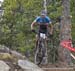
(65,32)
(45,5)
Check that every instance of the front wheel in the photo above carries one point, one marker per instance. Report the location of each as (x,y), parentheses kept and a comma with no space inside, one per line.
(40,53)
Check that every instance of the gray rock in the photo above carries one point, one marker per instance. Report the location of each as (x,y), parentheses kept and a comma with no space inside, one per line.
(17,55)
(4,49)
(4,66)
(28,66)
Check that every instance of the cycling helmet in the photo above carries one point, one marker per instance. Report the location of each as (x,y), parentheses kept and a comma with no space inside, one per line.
(43,12)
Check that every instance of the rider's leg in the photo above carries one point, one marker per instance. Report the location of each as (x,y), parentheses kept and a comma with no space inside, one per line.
(37,39)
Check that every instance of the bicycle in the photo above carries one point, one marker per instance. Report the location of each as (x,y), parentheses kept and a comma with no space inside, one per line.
(41,49)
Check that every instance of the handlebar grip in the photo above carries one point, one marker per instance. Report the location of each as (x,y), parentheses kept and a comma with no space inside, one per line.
(33,31)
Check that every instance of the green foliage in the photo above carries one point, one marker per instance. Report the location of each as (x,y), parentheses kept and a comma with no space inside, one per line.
(73,18)
(15,26)
(55,9)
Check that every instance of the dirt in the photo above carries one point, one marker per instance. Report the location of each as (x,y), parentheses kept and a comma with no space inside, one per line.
(57,67)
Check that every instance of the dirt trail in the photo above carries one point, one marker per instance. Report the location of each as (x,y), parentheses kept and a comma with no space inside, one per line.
(56,67)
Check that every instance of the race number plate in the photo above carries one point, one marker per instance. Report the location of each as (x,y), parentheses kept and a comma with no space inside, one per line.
(42,35)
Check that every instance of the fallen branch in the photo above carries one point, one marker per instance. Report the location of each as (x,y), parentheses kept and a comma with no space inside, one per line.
(72,56)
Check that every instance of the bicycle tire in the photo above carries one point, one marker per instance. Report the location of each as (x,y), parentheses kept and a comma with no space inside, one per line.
(40,52)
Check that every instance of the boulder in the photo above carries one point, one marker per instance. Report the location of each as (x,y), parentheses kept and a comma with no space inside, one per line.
(28,66)
(4,66)
(5,56)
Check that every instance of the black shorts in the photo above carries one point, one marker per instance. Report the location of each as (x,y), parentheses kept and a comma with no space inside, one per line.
(43,29)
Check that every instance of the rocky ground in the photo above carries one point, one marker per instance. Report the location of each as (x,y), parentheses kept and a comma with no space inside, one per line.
(14,61)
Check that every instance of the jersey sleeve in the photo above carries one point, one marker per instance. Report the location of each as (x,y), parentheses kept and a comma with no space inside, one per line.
(48,20)
(37,19)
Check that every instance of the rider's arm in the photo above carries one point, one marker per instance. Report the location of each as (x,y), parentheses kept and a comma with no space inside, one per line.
(51,29)
(50,25)
(32,25)
(34,22)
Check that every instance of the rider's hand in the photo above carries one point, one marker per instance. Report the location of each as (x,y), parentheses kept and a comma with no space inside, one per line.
(33,30)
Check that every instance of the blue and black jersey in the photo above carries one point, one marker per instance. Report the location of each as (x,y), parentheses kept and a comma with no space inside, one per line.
(43,22)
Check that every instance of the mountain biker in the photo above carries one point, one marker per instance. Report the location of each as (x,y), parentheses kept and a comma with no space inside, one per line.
(44,22)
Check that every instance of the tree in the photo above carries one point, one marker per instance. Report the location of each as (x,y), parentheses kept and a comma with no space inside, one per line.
(65,32)
(15,26)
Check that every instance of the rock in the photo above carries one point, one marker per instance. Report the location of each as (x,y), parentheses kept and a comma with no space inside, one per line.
(4,66)
(5,56)
(4,49)
(17,55)
(28,66)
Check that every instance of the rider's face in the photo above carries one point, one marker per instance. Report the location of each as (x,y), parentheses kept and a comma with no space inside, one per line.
(43,16)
